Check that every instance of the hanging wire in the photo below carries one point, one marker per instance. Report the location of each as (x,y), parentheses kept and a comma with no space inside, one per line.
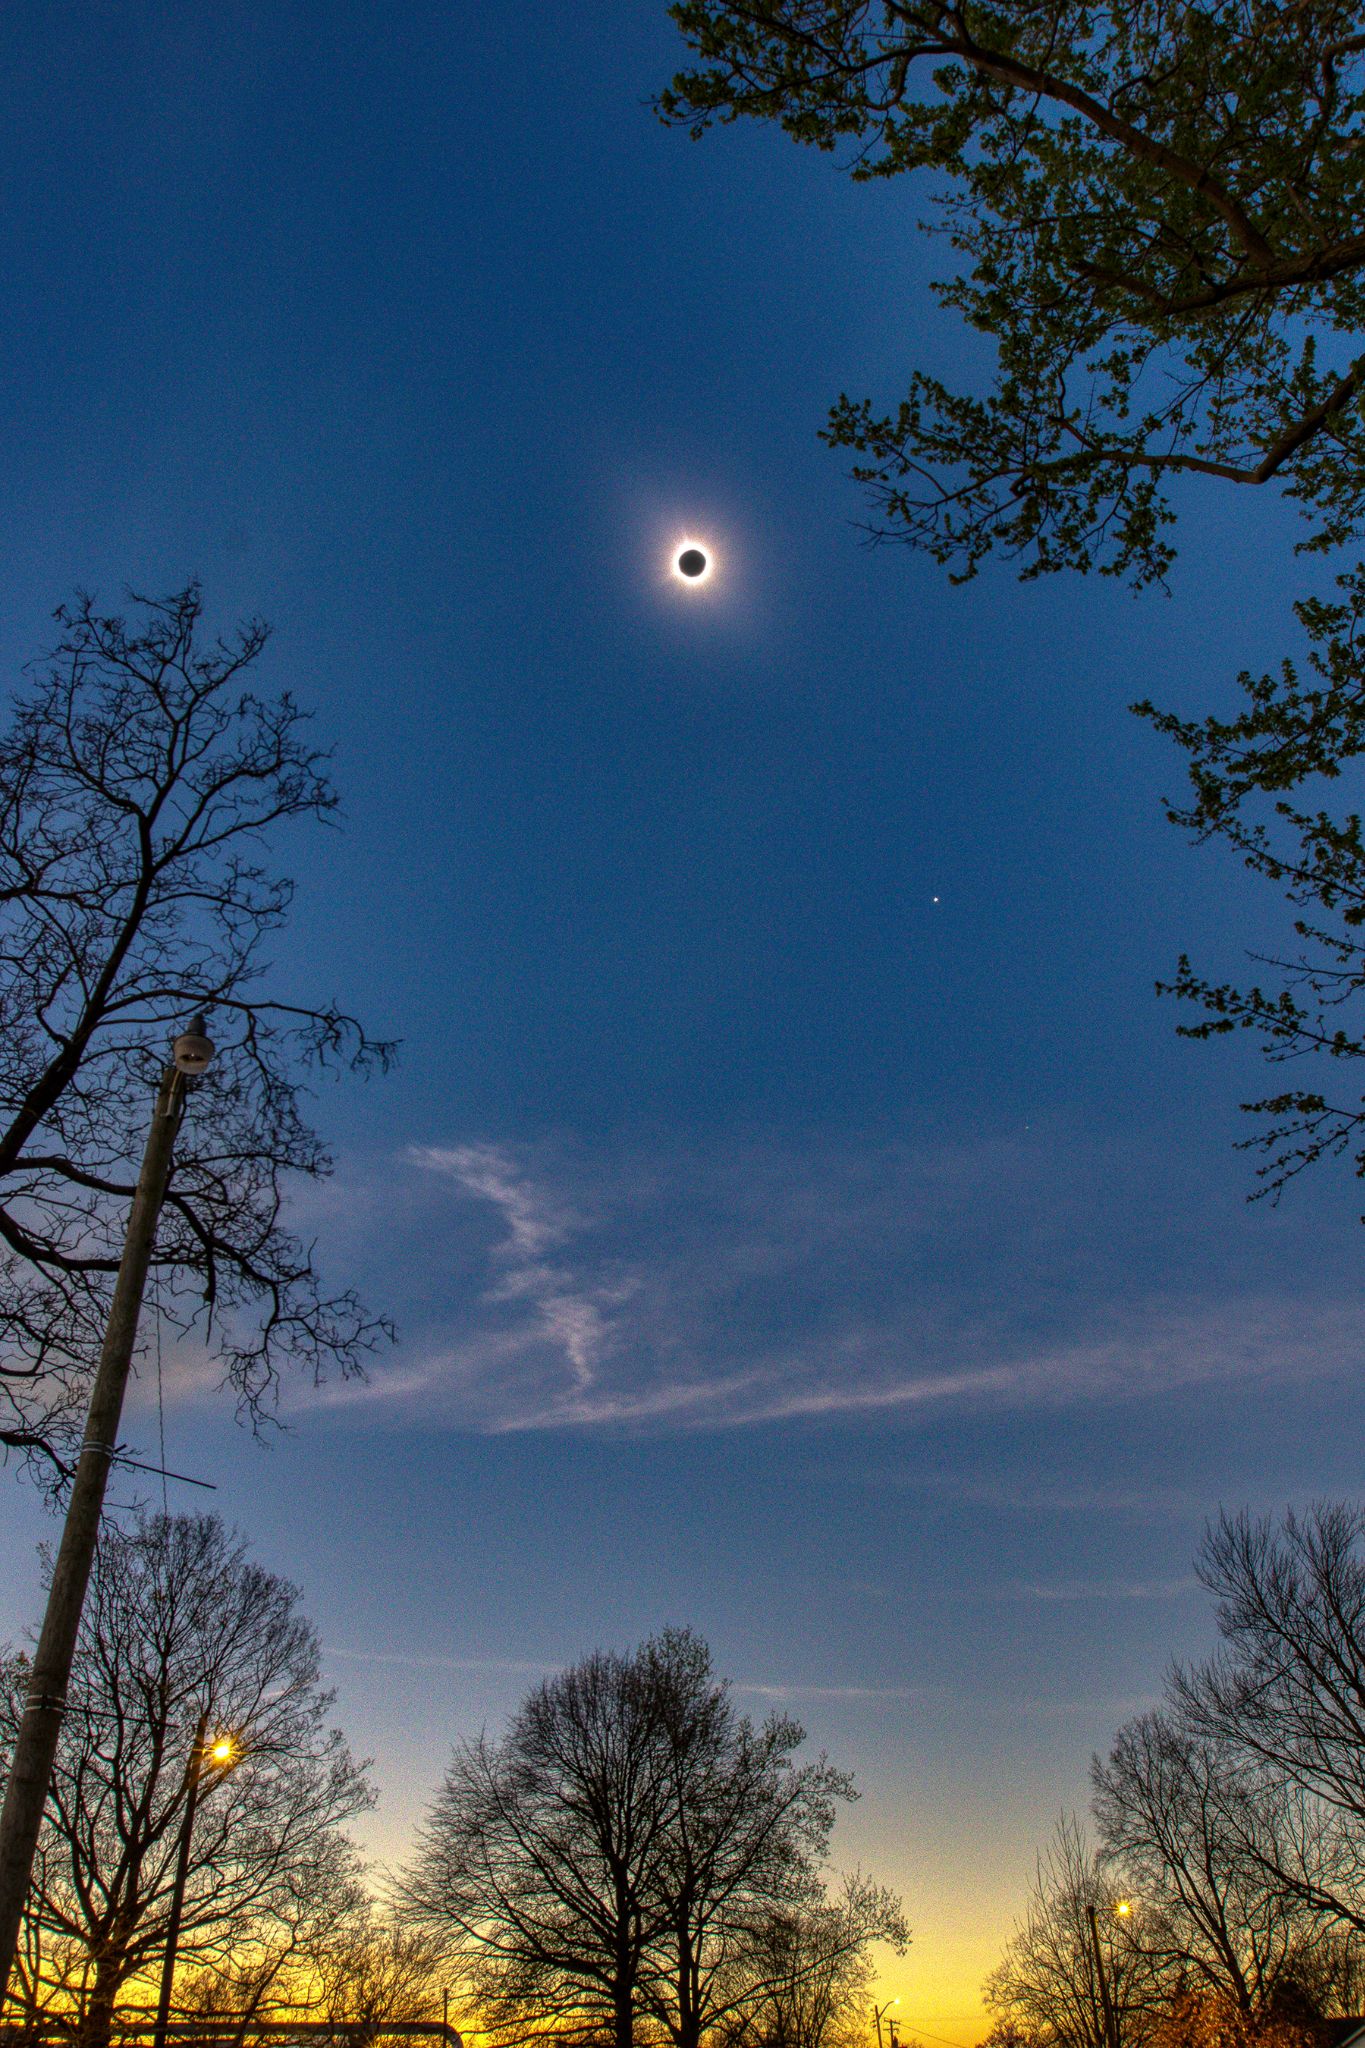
(161,1400)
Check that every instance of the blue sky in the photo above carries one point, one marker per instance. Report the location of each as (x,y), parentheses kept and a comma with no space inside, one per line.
(800,1217)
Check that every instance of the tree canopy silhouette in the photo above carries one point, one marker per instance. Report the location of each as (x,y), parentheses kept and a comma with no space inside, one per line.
(1154,214)
(140,778)
(181,1623)
(632,1849)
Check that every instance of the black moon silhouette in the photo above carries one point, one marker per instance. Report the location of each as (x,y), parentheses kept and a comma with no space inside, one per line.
(692,562)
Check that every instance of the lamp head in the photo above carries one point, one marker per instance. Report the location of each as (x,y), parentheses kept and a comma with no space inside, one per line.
(193,1050)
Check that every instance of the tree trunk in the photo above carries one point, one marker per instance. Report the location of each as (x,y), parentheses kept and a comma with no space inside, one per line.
(624,2014)
(97,2021)
(689,2017)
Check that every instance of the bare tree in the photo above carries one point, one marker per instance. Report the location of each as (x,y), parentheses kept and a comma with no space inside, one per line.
(538,1860)
(1287,1689)
(374,1971)
(138,780)
(1198,1834)
(621,1854)
(806,1979)
(350,1967)
(1047,1986)
(748,1830)
(181,1626)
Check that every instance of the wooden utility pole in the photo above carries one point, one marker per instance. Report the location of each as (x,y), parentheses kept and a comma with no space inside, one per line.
(1110,2017)
(182,1866)
(36,1744)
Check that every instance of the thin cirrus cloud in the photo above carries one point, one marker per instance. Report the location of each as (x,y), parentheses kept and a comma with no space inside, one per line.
(522,1667)
(730,1285)
(1069,1590)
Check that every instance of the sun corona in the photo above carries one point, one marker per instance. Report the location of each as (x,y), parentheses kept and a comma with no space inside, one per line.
(692,562)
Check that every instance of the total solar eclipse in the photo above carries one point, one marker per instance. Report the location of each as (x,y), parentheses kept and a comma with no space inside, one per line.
(692,563)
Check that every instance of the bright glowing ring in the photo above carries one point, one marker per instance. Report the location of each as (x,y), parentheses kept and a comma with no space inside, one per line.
(692,563)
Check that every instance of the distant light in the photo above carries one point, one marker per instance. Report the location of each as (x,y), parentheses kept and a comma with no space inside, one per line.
(1123,1907)
(223,1751)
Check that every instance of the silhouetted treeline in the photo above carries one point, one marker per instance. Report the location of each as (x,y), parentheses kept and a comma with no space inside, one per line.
(1224,1903)
(632,1861)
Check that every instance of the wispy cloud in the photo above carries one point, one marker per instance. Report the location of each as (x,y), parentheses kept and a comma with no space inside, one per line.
(534,1220)
(1098,1589)
(1154,1501)
(850,1693)
(574,1317)
(408,1660)
(705,1288)
(522,1667)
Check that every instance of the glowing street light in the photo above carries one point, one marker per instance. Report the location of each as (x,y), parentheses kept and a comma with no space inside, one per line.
(879,2013)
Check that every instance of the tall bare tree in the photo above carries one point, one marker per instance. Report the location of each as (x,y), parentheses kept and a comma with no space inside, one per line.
(139,779)
(1286,1691)
(1196,1834)
(617,1859)
(181,1626)
(1047,1989)
(538,1860)
(747,1832)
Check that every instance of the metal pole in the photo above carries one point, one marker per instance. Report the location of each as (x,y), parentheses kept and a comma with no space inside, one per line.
(1111,2029)
(182,1866)
(36,1744)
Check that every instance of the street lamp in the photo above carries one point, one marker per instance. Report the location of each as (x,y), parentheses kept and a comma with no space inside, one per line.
(879,2013)
(221,1754)
(1122,1909)
(35,1746)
